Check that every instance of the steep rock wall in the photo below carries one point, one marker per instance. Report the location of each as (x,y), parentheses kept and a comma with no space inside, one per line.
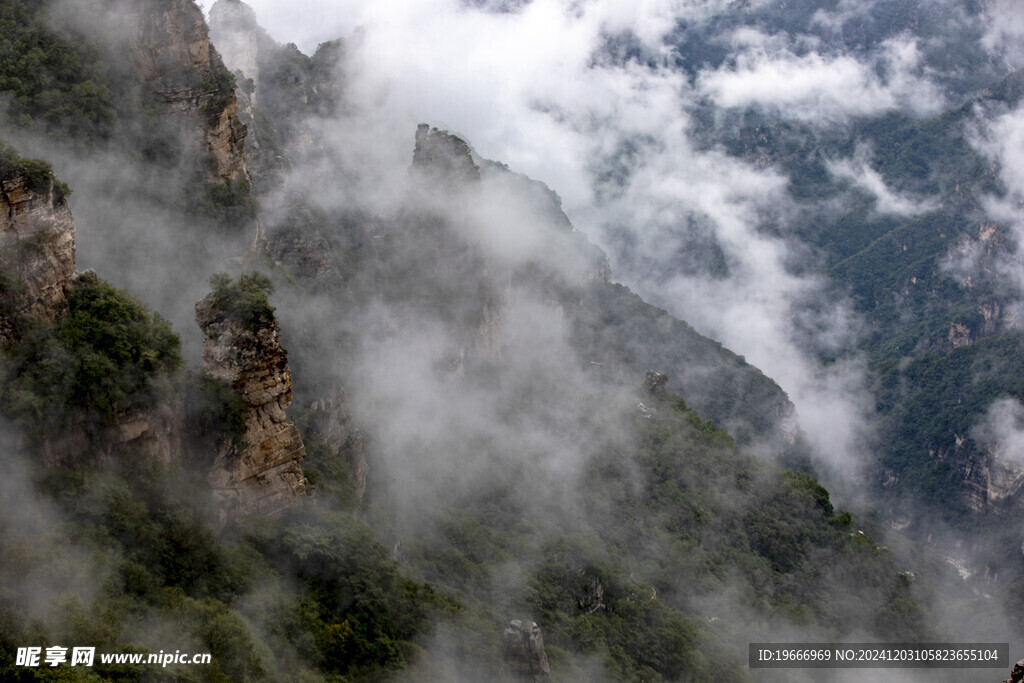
(332,422)
(991,478)
(37,260)
(261,472)
(37,250)
(169,49)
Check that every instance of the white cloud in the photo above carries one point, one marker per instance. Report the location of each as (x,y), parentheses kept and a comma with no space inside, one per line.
(999,136)
(1005,32)
(524,88)
(1001,430)
(844,11)
(1001,433)
(817,88)
(307,23)
(859,172)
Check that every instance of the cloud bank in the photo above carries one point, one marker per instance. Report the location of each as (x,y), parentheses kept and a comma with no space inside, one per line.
(816,87)
(539,89)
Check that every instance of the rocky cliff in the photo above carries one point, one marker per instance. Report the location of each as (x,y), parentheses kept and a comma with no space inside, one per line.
(169,49)
(37,274)
(239,39)
(524,652)
(37,251)
(443,156)
(279,91)
(260,472)
(992,478)
(616,333)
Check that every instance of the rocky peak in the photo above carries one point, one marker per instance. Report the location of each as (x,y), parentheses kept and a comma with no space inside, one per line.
(278,88)
(260,472)
(524,652)
(236,34)
(655,383)
(37,250)
(442,155)
(169,48)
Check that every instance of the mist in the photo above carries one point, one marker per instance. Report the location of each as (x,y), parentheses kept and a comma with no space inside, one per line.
(460,359)
(543,89)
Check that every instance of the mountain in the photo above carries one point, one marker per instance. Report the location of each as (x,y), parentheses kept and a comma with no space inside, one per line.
(900,203)
(480,455)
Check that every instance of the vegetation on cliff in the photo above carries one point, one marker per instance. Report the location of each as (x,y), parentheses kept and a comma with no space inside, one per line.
(641,538)
(109,353)
(55,85)
(244,300)
(38,173)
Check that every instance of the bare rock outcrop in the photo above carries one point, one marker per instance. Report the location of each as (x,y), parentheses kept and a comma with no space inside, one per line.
(992,479)
(169,48)
(1017,675)
(260,472)
(524,652)
(441,154)
(37,251)
(238,36)
(155,430)
(279,89)
(332,422)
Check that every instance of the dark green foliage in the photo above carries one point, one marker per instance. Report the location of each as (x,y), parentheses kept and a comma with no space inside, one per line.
(329,600)
(360,612)
(669,521)
(244,300)
(214,411)
(107,354)
(228,205)
(38,173)
(328,471)
(936,397)
(55,84)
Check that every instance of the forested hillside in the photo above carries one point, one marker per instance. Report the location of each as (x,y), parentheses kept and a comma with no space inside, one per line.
(329,396)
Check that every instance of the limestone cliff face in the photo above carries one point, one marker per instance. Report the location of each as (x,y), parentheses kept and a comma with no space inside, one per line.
(262,472)
(279,91)
(238,37)
(156,431)
(992,478)
(37,250)
(332,422)
(524,652)
(169,48)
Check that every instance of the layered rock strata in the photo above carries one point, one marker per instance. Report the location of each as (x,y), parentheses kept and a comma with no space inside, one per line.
(259,472)
(37,252)
(169,48)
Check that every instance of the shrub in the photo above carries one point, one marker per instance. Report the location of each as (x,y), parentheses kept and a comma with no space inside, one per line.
(244,300)
(106,354)
(38,173)
(215,410)
(228,205)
